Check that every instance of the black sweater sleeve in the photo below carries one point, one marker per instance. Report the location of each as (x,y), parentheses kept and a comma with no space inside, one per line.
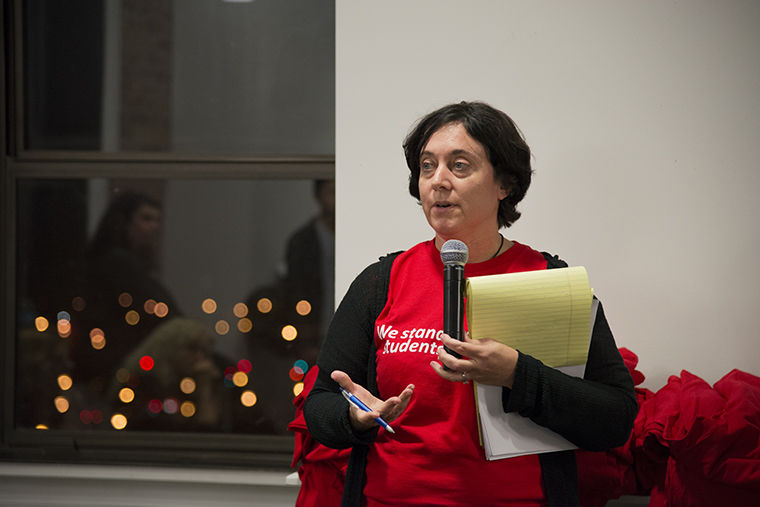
(347,347)
(595,413)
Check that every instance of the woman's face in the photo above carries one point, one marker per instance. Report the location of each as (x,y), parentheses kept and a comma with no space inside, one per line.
(458,191)
(144,227)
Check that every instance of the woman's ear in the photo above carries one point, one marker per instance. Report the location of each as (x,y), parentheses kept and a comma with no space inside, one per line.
(503,193)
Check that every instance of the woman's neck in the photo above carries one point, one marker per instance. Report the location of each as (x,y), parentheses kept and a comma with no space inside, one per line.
(480,249)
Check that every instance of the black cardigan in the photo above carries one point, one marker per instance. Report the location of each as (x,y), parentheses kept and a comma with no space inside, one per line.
(548,397)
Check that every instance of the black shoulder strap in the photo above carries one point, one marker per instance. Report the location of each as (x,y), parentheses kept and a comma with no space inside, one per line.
(383,280)
(553,261)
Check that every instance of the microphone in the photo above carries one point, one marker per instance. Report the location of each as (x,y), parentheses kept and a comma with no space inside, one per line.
(454,255)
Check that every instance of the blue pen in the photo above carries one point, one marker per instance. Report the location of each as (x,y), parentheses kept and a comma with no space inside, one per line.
(353,400)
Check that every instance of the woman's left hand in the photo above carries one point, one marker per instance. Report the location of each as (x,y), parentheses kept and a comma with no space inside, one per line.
(485,360)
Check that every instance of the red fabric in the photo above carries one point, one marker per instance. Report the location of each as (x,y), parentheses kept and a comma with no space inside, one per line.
(322,470)
(691,445)
(738,463)
(710,438)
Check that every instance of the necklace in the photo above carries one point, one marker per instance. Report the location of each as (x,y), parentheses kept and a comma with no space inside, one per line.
(501,244)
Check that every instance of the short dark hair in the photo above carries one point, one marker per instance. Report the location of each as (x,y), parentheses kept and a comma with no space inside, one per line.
(112,229)
(504,145)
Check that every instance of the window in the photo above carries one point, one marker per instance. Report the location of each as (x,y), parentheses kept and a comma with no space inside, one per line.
(168,227)
(182,76)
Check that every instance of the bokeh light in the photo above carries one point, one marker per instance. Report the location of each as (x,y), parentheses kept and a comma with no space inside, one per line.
(146,363)
(64,328)
(126,395)
(222,327)
(289,333)
(187,409)
(301,365)
(97,338)
(85,416)
(119,421)
(78,303)
(61,404)
(65,382)
(208,305)
(187,385)
(125,299)
(245,325)
(122,375)
(171,406)
(41,323)
(63,315)
(297,388)
(154,406)
(150,306)
(244,365)
(240,310)
(264,305)
(132,317)
(248,398)
(303,307)
(161,310)
(41,427)
(240,379)
(295,374)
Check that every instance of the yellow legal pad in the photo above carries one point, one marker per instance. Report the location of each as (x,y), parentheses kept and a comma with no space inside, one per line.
(545,314)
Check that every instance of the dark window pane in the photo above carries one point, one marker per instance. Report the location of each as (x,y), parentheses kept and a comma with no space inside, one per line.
(190,76)
(177,305)
(63,74)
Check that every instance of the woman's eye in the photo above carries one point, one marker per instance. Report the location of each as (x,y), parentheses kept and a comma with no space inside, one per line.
(460,166)
(426,166)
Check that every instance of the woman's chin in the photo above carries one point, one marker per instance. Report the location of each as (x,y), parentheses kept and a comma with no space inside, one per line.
(447,232)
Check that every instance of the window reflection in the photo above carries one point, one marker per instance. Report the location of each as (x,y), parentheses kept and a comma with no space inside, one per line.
(170,305)
(152,76)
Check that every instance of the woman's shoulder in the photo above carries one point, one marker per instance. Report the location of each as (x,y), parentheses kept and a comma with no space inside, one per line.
(553,261)
(388,260)
(538,256)
(378,270)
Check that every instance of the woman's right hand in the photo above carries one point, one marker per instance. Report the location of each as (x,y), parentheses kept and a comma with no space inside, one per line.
(389,409)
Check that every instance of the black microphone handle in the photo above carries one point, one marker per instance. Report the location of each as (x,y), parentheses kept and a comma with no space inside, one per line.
(453,303)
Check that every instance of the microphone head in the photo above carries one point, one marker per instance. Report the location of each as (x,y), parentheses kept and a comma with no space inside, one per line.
(454,252)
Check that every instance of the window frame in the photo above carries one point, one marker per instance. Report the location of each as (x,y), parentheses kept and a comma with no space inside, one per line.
(16,164)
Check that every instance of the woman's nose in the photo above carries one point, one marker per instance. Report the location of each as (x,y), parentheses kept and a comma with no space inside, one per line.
(441,177)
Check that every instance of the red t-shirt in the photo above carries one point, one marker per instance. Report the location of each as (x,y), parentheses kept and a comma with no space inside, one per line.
(435,457)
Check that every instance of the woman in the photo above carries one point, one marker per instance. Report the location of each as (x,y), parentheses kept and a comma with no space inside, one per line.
(470,167)
(122,258)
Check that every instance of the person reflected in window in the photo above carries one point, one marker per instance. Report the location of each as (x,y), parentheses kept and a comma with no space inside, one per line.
(292,314)
(310,257)
(125,298)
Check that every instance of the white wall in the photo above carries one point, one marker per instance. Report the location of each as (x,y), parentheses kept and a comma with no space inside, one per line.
(644,119)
